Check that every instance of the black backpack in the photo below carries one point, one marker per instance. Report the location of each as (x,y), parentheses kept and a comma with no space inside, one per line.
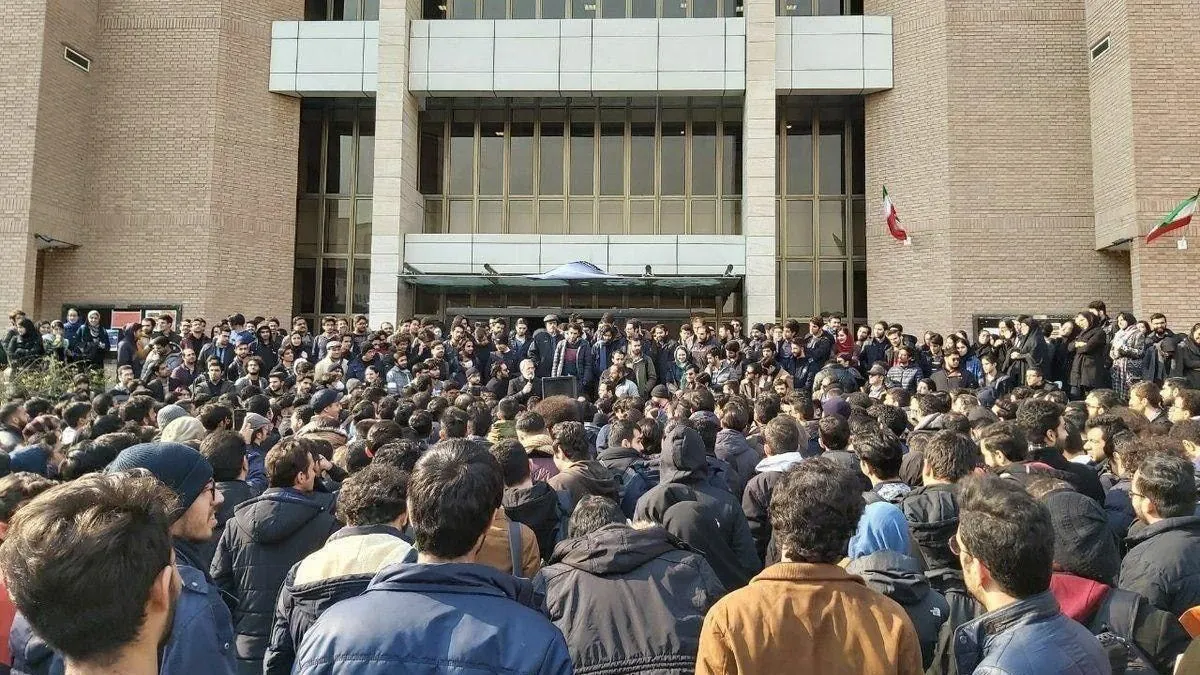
(563,508)
(1113,627)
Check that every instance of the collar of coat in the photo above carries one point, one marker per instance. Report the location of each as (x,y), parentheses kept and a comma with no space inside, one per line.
(793,571)
(971,638)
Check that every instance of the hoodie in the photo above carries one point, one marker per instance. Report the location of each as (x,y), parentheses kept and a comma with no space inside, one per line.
(541,455)
(584,478)
(757,497)
(900,577)
(265,537)
(538,508)
(629,600)
(733,448)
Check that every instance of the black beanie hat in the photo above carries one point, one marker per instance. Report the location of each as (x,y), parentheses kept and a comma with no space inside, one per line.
(179,467)
(1084,544)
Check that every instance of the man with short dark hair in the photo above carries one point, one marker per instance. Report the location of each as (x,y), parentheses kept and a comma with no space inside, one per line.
(373,505)
(1145,399)
(879,458)
(782,439)
(89,564)
(226,452)
(443,610)
(1046,433)
(1163,562)
(1005,544)
(783,621)
(639,605)
(732,446)
(266,536)
(531,503)
(578,475)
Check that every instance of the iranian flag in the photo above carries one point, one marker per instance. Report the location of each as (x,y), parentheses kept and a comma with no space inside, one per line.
(893,219)
(1180,217)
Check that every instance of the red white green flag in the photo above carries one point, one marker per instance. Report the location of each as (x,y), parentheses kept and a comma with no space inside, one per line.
(1179,218)
(893,219)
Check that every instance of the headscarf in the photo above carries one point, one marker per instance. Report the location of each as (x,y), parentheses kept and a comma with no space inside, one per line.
(882,527)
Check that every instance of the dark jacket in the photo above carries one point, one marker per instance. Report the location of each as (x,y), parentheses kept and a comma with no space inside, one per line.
(1163,563)
(234,492)
(963,379)
(1118,506)
(339,570)
(438,618)
(932,515)
(1032,350)
(541,350)
(708,518)
(90,348)
(24,350)
(757,498)
(265,537)
(537,507)
(1081,477)
(1088,365)
(1031,637)
(616,459)
(1187,362)
(733,448)
(211,350)
(584,363)
(629,600)
(584,478)
(901,578)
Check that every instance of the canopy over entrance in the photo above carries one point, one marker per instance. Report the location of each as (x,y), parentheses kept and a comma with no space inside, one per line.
(578,274)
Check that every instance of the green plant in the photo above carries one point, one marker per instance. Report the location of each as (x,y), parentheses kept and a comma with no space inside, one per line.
(49,378)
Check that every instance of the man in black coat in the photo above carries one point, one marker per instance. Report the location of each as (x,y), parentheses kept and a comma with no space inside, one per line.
(1045,432)
(708,518)
(226,451)
(265,537)
(627,599)
(1163,563)
(543,342)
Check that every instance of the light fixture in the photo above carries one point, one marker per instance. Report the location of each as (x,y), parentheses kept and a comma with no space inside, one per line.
(649,272)
(488,269)
(729,270)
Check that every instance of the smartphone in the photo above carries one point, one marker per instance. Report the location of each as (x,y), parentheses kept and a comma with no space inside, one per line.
(239,418)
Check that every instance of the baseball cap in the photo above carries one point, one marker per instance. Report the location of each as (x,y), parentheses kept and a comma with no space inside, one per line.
(323,399)
(878,369)
(256,421)
(551,318)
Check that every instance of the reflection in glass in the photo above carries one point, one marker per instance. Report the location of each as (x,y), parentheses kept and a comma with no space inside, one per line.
(520,217)
(337,226)
(308,227)
(550,155)
(520,159)
(641,159)
(581,217)
(433,216)
(365,173)
(612,216)
(550,216)
(833,178)
(799,288)
(674,164)
(612,159)
(462,158)
(362,227)
(799,227)
(671,217)
(704,216)
(554,9)
(339,160)
(362,285)
(799,158)
(582,157)
(641,217)
(704,158)
(333,285)
(731,216)
(430,158)
(490,218)
(491,158)
(304,285)
(462,213)
(833,287)
(832,214)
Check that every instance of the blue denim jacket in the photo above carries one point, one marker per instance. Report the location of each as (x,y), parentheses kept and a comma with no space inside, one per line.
(1029,637)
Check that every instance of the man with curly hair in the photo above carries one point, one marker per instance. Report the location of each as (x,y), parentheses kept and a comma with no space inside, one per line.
(807,614)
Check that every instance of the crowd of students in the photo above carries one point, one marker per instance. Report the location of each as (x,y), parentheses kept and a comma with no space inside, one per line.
(802,497)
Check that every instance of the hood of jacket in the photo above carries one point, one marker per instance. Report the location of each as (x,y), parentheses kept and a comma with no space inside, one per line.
(351,551)
(896,575)
(595,478)
(779,463)
(277,514)
(683,457)
(932,514)
(615,549)
(31,458)
(455,578)
(539,443)
(730,444)
(534,504)
(1079,598)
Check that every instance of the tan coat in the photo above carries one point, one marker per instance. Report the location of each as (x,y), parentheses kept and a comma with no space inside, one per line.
(806,618)
(497,554)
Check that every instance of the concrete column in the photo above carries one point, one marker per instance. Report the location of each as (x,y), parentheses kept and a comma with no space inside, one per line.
(398,209)
(758,161)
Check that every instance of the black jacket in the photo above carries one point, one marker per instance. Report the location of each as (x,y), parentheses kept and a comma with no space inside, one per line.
(341,569)
(541,351)
(629,601)
(932,515)
(1163,563)
(1083,478)
(901,578)
(733,447)
(537,507)
(1088,364)
(265,537)
(616,459)
(708,518)
(234,492)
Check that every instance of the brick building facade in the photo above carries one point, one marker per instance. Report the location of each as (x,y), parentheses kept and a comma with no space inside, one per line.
(1028,147)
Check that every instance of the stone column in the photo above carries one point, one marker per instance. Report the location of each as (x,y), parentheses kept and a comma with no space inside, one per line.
(758,161)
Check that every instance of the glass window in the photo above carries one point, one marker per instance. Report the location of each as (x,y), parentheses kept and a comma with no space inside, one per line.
(799,226)
(833,287)
(673,9)
(731,158)
(704,216)
(858,224)
(430,158)
(462,216)
(612,9)
(641,157)
(833,178)
(362,227)
(550,156)
(581,217)
(520,159)
(612,216)
(308,227)
(339,159)
(337,225)
(674,157)
(333,286)
(550,216)
(799,153)
(731,216)
(582,158)
(463,9)
(491,158)
(491,217)
(860,289)
(704,158)
(612,158)
(706,8)
(312,125)
(829,7)
(433,217)
(583,9)
(362,285)
(494,9)
(645,9)
(641,217)
(434,9)
(833,227)
(672,217)
(520,217)
(859,163)
(462,158)
(304,285)
(554,9)
(798,288)
(366,151)
(370,11)
(524,9)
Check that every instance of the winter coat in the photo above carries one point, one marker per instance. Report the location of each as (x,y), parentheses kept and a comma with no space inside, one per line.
(742,458)
(1187,362)
(808,618)
(1032,350)
(1081,476)
(497,550)
(1163,563)
(211,350)
(584,364)
(541,456)
(90,348)
(901,578)
(932,515)
(1029,637)
(963,379)
(584,478)
(265,537)
(644,374)
(664,361)
(757,497)
(234,493)
(904,377)
(24,350)
(708,518)
(1118,506)
(542,349)
(339,570)
(617,459)
(537,507)
(445,617)
(1088,365)
(629,600)
(202,386)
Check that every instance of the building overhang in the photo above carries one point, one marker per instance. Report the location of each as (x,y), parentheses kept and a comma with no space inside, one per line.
(674,284)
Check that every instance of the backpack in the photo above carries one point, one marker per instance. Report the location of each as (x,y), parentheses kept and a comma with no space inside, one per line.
(1113,627)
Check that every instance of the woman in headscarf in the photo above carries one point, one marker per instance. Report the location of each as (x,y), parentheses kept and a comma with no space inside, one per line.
(1128,345)
(90,343)
(25,345)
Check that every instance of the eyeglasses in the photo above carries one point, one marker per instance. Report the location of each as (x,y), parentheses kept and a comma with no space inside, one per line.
(1136,494)
(211,488)
(954,547)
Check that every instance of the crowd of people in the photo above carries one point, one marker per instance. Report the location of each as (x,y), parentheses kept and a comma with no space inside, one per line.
(604,498)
